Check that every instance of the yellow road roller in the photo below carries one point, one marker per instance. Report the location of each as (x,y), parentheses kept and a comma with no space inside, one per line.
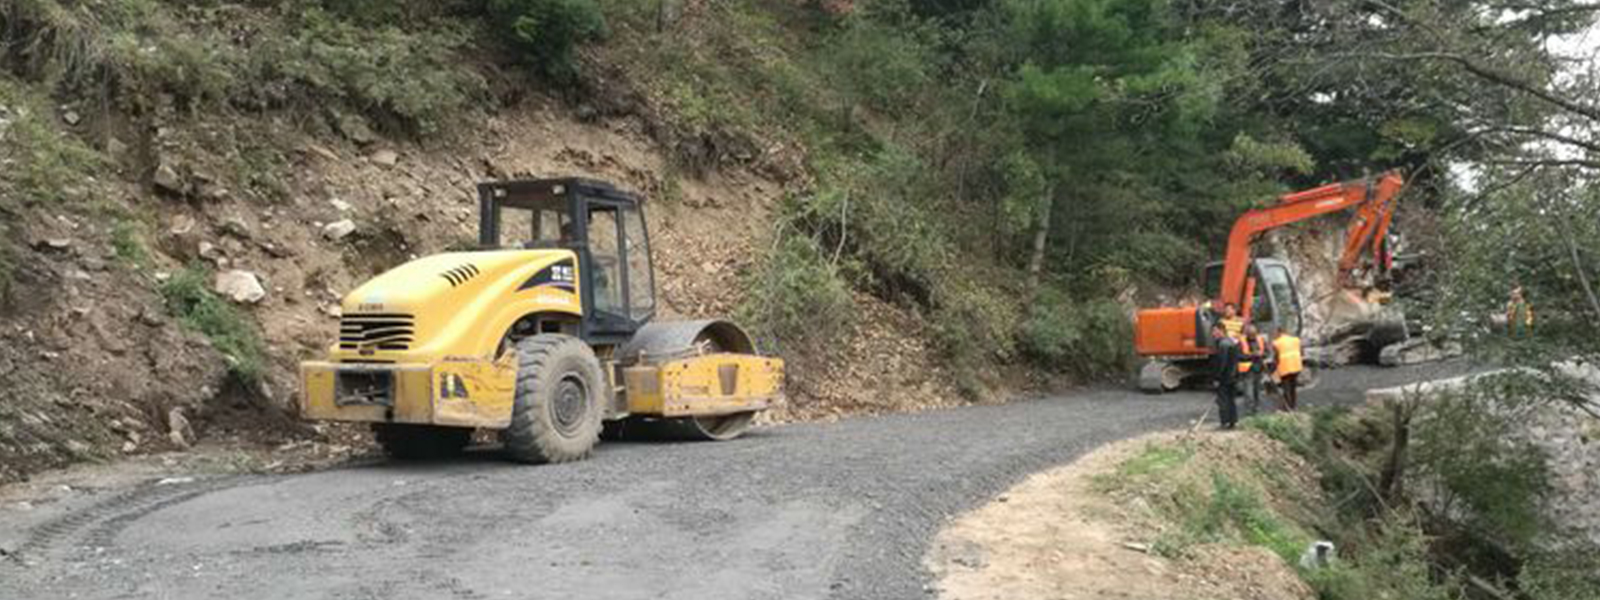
(546,334)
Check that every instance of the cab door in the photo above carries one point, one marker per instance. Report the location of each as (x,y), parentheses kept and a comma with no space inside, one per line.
(615,268)
(1276,293)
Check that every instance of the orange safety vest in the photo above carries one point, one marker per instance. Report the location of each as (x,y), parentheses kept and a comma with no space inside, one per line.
(1288,348)
(1249,346)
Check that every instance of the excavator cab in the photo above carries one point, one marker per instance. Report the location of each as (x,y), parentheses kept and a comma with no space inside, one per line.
(1276,303)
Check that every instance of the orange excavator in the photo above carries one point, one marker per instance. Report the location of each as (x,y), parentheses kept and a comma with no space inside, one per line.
(1177,340)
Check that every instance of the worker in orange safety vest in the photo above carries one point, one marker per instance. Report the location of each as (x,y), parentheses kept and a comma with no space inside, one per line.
(1254,351)
(1286,349)
(1519,314)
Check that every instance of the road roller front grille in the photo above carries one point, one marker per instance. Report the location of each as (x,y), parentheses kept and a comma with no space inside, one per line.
(376,331)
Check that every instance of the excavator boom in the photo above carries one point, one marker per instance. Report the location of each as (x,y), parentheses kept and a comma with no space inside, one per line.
(1375,199)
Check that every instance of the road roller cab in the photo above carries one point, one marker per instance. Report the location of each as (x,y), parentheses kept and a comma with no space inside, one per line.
(546,333)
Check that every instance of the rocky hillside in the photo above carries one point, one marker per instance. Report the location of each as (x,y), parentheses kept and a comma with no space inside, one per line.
(181,220)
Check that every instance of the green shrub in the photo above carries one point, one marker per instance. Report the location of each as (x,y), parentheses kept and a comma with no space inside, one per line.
(128,242)
(879,65)
(1562,573)
(413,77)
(1233,512)
(1091,338)
(796,294)
(189,298)
(1491,478)
(1237,511)
(129,50)
(388,12)
(42,162)
(1289,429)
(874,207)
(547,31)
(141,51)
(974,324)
(1156,458)
(1392,562)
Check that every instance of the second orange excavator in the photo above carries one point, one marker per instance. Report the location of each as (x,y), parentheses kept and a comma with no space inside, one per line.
(1176,341)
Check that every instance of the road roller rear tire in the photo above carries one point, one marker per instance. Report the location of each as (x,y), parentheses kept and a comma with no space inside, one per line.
(559,402)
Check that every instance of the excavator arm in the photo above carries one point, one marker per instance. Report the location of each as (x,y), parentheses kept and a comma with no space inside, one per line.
(1176,332)
(1374,199)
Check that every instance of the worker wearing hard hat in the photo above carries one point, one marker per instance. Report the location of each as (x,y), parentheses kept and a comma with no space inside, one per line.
(1286,350)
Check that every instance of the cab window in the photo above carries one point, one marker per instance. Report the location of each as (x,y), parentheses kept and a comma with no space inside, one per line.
(605,254)
(532,221)
(641,287)
(1280,287)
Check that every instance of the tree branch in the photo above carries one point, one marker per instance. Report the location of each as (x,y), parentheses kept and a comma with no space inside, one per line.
(1589,112)
(1483,72)
(1552,162)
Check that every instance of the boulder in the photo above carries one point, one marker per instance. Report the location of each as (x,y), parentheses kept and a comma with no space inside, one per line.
(178,428)
(240,286)
(166,178)
(338,230)
(355,129)
(385,158)
(236,226)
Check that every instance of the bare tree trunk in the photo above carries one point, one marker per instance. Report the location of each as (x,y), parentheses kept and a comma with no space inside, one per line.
(1391,482)
(1577,265)
(1041,240)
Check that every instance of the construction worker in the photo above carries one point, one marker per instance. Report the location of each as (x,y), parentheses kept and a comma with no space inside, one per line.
(1286,350)
(1253,352)
(1231,323)
(1519,314)
(1226,362)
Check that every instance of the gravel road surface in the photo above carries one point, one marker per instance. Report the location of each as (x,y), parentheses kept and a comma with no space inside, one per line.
(821,510)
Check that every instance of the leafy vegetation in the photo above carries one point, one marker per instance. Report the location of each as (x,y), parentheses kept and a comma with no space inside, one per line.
(1093,337)
(127,240)
(796,294)
(1473,509)
(412,77)
(43,166)
(547,31)
(189,298)
(142,53)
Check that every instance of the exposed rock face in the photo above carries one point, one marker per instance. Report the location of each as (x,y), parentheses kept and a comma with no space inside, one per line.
(1341,326)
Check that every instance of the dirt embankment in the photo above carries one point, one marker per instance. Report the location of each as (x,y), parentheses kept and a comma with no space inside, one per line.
(96,364)
(1100,527)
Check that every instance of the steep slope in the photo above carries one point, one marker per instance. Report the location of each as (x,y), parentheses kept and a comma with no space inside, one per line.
(131,221)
